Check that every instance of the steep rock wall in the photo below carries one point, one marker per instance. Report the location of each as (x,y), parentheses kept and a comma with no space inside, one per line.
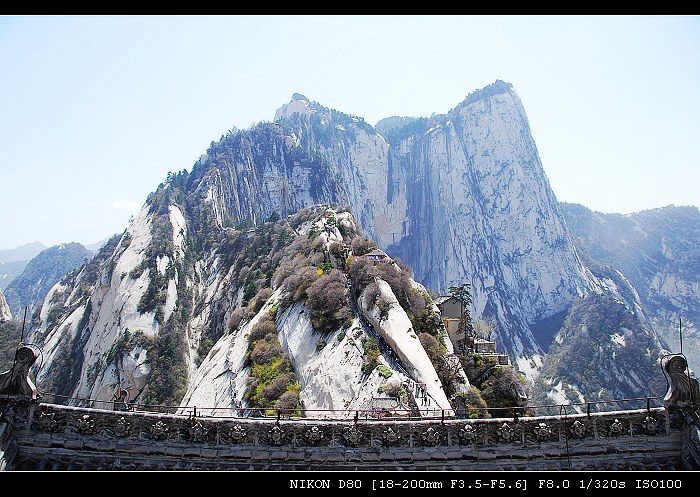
(463,200)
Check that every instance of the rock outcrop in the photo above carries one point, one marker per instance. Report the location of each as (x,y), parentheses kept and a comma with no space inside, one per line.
(5,313)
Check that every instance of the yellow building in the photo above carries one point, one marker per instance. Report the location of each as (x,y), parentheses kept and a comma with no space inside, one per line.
(451,312)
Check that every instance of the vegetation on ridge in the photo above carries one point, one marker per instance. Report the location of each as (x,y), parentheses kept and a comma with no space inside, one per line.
(601,341)
(275,385)
(10,336)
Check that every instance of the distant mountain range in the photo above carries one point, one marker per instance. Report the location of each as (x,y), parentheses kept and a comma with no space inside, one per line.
(41,273)
(13,261)
(23,253)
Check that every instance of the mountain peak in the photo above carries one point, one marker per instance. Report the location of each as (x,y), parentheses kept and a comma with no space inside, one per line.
(494,88)
(299,104)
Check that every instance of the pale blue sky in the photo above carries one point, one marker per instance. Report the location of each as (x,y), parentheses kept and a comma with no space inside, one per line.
(95,111)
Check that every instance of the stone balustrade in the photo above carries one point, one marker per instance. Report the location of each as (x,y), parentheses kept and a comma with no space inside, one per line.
(37,435)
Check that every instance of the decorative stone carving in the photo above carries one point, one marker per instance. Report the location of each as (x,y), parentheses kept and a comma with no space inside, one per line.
(542,432)
(578,429)
(616,428)
(16,382)
(275,436)
(314,434)
(505,433)
(430,436)
(352,435)
(198,432)
(468,433)
(682,399)
(390,436)
(121,400)
(47,422)
(86,424)
(159,430)
(122,428)
(650,425)
(237,433)
(15,410)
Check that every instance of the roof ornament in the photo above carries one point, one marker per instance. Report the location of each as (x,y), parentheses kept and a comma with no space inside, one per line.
(682,400)
(683,395)
(121,399)
(16,382)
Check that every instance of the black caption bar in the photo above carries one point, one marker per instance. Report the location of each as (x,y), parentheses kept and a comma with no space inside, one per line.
(394,482)
(514,483)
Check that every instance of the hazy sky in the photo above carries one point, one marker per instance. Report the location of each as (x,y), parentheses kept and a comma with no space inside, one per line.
(95,111)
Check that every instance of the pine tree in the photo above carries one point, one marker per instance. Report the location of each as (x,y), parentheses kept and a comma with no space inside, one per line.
(463,294)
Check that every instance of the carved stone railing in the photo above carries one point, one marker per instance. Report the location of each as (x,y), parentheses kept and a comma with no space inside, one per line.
(50,431)
(135,435)
(268,432)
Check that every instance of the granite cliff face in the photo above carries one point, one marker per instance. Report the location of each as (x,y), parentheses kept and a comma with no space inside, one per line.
(177,308)
(481,210)
(461,198)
